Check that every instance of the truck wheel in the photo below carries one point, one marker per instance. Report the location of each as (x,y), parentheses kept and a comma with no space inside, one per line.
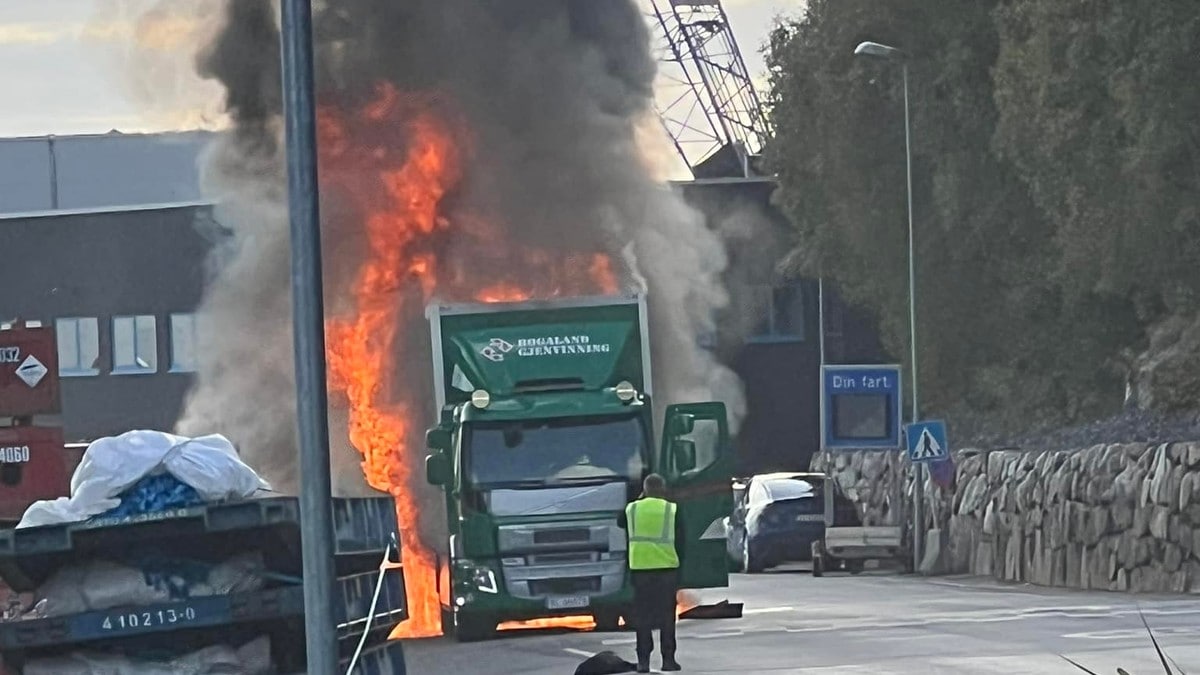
(607,620)
(751,564)
(472,628)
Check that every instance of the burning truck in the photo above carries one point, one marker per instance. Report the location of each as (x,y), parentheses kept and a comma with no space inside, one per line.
(469,152)
(545,434)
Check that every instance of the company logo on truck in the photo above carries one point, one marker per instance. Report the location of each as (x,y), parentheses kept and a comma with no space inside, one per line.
(554,345)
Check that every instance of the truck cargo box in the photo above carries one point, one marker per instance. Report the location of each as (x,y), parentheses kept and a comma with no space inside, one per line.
(507,348)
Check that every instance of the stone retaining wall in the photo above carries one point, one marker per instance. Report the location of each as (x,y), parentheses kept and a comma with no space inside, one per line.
(1117,517)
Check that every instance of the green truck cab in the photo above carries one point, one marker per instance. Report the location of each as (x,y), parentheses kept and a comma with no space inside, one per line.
(545,434)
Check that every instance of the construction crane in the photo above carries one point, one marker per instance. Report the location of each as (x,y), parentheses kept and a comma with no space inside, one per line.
(706,99)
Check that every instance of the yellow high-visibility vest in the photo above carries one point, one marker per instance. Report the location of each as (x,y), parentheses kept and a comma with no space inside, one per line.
(651,523)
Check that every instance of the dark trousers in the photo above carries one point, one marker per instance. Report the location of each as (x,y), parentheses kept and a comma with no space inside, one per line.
(654,608)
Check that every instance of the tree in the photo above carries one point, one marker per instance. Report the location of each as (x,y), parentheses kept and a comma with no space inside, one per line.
(1018,325)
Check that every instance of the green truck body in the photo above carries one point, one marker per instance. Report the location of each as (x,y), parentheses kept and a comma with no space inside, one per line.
(545,434)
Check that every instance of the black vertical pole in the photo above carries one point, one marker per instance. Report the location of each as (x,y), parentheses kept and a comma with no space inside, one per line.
(308,317)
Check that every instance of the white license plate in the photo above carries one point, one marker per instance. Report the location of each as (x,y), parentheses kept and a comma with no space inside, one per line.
(567,602)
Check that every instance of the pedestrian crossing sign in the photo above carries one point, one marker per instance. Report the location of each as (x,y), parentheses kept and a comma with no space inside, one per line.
(927,441)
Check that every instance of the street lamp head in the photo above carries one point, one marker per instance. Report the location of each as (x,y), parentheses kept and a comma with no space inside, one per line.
(878,50)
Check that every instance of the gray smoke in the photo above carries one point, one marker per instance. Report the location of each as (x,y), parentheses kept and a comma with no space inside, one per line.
(551,92)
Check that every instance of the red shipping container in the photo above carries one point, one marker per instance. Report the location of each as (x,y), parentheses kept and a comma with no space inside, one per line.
(28,372)
(33,466)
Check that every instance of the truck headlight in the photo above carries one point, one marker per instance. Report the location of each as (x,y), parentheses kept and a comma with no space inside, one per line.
(480,399)
(479,577)
(485,580)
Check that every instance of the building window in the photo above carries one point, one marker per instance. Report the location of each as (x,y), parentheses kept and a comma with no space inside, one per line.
(135,345)
(183,343)
(78,346)
(783,314)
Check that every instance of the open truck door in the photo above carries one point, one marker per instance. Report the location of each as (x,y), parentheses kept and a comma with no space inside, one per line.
(697,462)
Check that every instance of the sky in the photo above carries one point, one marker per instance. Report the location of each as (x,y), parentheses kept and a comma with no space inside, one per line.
(66,66)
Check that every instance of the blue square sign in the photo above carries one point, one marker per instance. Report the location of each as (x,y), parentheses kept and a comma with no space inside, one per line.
(927,441)
(860,407)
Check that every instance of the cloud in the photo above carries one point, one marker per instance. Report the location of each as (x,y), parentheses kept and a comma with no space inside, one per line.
(32,33)
(151,33)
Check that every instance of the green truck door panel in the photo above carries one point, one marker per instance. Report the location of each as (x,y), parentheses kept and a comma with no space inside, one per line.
(697,461)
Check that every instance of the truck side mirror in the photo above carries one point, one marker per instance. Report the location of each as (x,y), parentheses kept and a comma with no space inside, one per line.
(438,439)
(437,469)
(684,453)
(682,425)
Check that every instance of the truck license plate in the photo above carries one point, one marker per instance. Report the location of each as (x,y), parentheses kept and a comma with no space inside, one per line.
(567,602)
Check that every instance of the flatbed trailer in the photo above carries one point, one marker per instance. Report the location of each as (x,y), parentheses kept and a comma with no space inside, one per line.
(370,585)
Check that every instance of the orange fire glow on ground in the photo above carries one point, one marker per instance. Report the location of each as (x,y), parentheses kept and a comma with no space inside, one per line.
(684,600)
(396,160)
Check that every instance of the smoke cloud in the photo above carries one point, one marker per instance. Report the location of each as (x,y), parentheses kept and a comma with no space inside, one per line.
(554,95)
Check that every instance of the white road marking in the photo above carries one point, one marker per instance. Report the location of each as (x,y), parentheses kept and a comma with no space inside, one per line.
(768,610)
(1081,612)
(715,635)
(579,652)
(1133,633)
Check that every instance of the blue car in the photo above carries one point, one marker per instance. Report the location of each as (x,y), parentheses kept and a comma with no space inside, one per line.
(777,517)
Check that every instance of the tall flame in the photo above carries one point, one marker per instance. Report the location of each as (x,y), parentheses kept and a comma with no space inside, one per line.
(362,349)
(396,160)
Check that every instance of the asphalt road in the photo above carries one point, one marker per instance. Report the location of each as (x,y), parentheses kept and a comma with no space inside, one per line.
(876,623)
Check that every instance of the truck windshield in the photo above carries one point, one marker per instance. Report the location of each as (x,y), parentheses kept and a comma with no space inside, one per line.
(553,451)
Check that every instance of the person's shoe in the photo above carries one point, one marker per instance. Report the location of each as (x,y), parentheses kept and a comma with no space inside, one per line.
(643,666)
(671,665)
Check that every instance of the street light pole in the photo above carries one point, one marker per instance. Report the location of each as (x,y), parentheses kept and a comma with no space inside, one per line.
(308,321)
(919,467)
(883,51)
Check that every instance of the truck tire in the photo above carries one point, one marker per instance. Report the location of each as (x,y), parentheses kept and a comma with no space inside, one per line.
(818,559)
(607,620)
(470,628)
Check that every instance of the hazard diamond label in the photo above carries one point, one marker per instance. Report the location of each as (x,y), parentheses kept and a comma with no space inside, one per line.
(31,371)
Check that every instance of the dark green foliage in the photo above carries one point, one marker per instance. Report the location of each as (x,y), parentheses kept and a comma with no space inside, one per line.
(1056,187)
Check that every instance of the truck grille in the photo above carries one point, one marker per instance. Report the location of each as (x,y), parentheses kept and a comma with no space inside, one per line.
(562,536)
(564,586)
(562,558)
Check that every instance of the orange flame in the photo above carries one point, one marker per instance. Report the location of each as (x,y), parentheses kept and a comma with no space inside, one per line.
(362,349)
(396,160)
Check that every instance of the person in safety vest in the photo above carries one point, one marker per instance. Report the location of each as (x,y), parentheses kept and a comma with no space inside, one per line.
(656,538)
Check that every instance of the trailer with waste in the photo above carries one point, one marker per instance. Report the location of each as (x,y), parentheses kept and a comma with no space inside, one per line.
(545,433)
(172,556)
